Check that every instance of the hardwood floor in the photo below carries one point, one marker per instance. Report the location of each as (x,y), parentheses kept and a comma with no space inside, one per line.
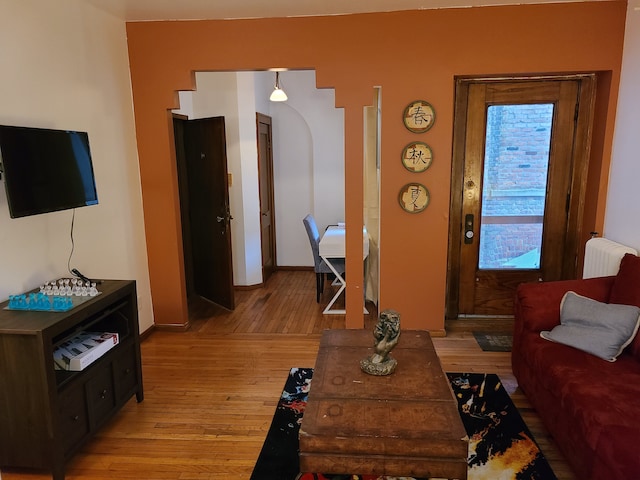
(210,392)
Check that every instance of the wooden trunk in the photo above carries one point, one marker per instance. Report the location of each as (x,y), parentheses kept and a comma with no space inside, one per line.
(403,424)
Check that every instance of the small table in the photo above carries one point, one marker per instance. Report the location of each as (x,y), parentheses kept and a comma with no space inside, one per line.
(403,424)
(332,245)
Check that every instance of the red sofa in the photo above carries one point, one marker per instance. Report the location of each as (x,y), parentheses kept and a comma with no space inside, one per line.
(590,406)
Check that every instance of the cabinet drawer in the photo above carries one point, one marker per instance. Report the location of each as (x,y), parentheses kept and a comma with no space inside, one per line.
(124,373)
(101,399)
(74,421)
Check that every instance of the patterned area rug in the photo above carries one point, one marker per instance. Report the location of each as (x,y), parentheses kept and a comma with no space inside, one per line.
(500,446)
(494,342)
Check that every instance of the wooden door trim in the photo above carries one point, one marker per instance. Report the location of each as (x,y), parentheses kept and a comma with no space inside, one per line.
(457,180)
(580,158)
(185,224)
(265,119)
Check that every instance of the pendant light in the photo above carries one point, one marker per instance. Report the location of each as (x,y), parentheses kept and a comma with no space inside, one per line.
(278,94)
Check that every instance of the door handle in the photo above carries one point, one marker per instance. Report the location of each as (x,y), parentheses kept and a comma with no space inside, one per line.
(224,221)
(468,228)
(227,217)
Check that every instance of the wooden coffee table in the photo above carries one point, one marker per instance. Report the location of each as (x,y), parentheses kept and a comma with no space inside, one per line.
(404,424)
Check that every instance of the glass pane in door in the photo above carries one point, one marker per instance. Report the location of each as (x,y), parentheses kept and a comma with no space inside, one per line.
(516,162)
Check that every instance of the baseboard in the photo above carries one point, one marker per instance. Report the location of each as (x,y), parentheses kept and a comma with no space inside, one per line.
(438,333)
(174,327)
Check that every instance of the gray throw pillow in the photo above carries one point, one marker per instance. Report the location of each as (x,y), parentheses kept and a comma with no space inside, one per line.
(602,329)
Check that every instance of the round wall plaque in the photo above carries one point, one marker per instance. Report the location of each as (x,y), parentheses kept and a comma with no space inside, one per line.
(417,157)
(419,116)
(413,197)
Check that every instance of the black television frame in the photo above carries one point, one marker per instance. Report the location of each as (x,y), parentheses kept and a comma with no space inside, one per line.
(46,170)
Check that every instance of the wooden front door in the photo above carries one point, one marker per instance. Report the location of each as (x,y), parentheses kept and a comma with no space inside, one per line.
(204,204)
(519,169)
(267,214)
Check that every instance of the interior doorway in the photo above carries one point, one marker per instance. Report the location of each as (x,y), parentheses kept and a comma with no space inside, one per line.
(204,208)
(518,184)
(308,162)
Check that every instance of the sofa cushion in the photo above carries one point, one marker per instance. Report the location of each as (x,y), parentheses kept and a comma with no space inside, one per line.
(601,329)
(626,286)
(626,291)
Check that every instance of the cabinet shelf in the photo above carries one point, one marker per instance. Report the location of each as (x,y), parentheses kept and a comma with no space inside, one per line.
(48,413)
(93,324)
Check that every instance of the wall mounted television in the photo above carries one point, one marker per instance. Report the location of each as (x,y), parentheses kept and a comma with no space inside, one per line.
(46,170)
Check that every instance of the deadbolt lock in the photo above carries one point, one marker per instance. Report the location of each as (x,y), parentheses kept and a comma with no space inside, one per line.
(468,228)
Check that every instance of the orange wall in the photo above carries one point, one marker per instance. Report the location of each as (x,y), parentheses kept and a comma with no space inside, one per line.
(411,55)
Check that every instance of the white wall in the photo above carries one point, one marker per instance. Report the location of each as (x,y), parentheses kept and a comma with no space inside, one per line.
(65,66)
(622,219)
(308,145)
(308,151)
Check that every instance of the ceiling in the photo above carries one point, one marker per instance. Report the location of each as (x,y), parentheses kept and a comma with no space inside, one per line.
(140,10)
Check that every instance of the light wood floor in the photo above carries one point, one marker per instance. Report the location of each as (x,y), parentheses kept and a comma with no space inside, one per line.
(210,392)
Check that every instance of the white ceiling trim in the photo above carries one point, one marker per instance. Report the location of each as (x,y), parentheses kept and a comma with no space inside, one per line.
(153,10)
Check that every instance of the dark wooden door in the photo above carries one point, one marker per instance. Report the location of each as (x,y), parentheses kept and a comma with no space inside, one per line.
(204,198)
(267,217)
(520,164)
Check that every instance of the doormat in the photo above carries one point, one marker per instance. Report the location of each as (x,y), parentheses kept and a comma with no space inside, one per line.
(494,342)
(500,444)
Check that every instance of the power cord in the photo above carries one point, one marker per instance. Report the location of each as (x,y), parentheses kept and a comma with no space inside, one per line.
(74,271)
(73,219)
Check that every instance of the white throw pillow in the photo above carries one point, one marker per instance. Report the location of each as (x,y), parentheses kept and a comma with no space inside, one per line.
(602,329)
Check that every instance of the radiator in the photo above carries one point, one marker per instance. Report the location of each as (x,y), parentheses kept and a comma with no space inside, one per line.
(602,257)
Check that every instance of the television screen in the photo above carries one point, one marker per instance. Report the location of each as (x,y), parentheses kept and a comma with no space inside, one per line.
(46,170)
